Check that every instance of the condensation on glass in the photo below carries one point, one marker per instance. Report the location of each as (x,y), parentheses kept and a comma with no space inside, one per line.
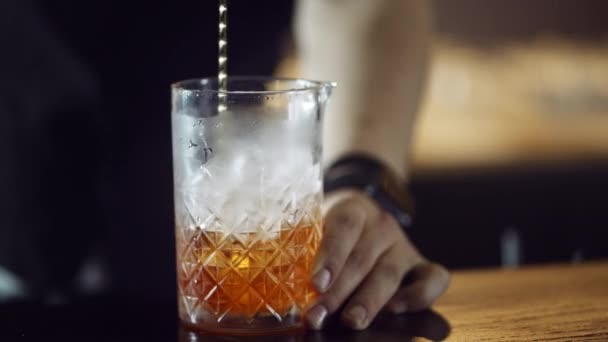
(248,191)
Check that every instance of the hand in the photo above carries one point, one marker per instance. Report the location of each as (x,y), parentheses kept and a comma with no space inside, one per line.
(363,258)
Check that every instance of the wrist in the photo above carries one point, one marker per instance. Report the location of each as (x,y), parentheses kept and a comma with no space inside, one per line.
(370,176)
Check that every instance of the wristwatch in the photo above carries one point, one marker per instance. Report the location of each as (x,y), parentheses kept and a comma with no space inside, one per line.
(376,180)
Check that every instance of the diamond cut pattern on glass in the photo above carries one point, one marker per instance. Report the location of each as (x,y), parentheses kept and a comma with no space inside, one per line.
(263,271)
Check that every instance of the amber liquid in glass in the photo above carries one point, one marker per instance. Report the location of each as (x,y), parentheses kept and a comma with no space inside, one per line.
(246,276)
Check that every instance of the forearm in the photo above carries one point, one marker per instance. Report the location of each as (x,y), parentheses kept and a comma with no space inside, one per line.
(378,53)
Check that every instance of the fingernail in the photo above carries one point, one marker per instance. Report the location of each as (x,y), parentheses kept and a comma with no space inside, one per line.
(357,316)
(321,280)
(398,307)
(316,316)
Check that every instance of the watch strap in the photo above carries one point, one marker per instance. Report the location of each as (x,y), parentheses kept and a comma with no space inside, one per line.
(371,176)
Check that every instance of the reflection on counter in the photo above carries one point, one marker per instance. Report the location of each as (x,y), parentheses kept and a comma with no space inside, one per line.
(428,325)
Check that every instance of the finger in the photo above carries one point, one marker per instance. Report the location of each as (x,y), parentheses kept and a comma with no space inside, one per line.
(377,288)
(377,238)
(372,243)
(343,225)
(430,281)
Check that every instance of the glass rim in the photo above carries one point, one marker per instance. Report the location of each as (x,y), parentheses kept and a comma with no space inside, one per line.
(309,85)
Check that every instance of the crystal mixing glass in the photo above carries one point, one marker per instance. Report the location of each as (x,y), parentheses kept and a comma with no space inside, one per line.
(248,191)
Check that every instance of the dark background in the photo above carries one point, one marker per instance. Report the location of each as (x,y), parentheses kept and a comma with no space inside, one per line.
(555,210)
(495,21)
(85,140)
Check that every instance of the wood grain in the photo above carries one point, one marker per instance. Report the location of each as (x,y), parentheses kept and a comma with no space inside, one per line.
(545,303)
